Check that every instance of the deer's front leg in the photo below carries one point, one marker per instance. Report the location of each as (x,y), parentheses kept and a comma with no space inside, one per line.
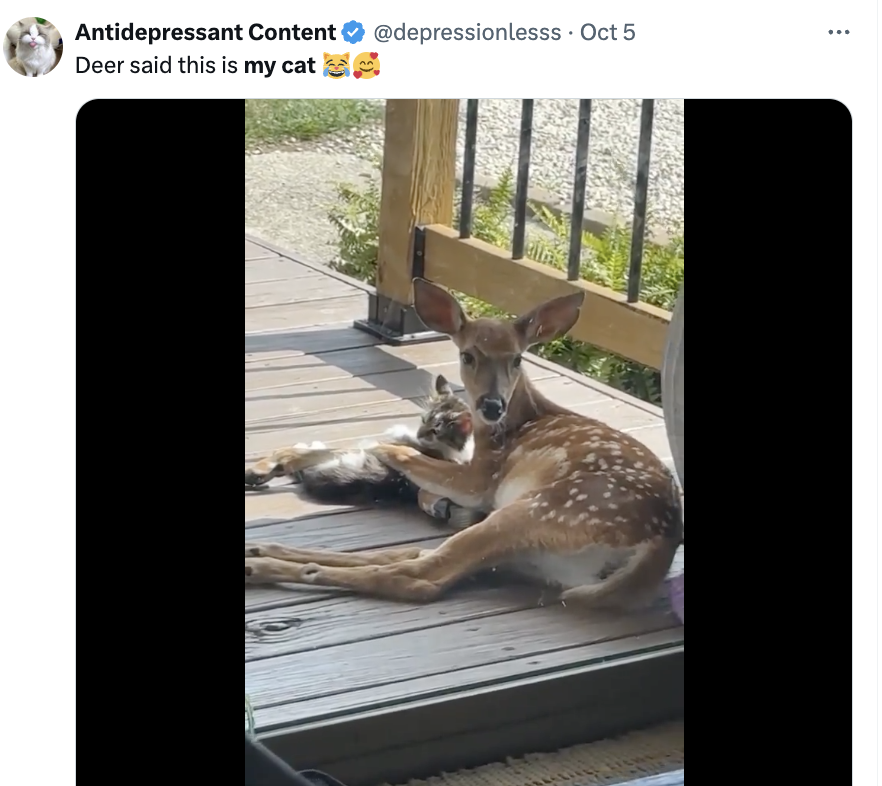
(459,483)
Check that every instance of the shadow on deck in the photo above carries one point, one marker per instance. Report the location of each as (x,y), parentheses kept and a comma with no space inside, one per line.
(370,690)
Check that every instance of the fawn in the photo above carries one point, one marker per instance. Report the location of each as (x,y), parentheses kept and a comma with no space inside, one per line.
(570,502)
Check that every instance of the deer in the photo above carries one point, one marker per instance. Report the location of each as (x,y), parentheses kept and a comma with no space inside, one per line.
(563,499)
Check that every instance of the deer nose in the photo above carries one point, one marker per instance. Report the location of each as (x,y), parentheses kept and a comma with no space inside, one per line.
(492,408)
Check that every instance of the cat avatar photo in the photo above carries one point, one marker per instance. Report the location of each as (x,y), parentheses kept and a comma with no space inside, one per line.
(32,46)
(336,66)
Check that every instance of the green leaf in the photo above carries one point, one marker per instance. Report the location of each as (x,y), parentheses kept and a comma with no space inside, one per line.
(41,21)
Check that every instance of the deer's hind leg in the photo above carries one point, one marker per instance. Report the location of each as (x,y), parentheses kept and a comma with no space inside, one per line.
(338,559)
(424,577)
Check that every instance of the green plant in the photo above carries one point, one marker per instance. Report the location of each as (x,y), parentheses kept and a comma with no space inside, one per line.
(356,217)
(276,121)
(605,261)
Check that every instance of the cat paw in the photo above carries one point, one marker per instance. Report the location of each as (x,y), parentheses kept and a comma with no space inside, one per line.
(395,456)
(254,481)
(312,446)
(400,433)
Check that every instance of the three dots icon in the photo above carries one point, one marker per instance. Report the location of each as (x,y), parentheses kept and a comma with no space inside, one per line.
(838,32)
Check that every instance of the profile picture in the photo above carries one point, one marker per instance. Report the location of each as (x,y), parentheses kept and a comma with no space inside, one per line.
(32,46)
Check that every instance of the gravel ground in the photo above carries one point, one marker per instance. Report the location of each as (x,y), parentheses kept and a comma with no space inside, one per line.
(287,191)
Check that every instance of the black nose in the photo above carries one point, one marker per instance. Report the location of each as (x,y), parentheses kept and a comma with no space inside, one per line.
(492,408)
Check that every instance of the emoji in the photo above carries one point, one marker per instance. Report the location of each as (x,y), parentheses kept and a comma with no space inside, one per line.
(336,66)
(366,66)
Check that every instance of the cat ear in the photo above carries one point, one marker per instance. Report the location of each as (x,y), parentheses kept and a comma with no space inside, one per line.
(327,57)
(346,56)
(442,386)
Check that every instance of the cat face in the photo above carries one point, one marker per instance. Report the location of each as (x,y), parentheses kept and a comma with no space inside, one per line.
(447,420)
(336,66)
(36,36)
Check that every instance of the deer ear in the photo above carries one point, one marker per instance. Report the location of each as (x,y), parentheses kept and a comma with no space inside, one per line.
(437,308)
(551,320)
(442,386)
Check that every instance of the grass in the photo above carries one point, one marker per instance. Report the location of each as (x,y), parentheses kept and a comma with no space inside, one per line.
(275,121)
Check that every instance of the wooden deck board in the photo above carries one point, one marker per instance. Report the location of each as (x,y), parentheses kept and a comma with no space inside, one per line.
(287,292)
(315,654)
(434,685)
(432,652)
(307,314)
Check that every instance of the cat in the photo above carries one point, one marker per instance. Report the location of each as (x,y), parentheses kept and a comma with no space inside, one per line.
(34,51)
(354,474)
(336,66)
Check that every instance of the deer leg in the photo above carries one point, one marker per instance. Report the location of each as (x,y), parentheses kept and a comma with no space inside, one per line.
(423,578)
(336,559)
(459,483)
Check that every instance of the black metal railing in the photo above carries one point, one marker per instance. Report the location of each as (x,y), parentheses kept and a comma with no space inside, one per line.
(580,186)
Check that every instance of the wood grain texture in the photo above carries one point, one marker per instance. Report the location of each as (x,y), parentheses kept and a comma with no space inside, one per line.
(341,619)
(259,271)
(309,314)
(406,656)
(419,174)
(318,397)
(534,666)
(261,347)
(282,372)
(255,251)
(286,292)
(348,531)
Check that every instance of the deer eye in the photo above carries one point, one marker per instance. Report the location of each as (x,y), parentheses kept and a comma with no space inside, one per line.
(467,358)
(517,361)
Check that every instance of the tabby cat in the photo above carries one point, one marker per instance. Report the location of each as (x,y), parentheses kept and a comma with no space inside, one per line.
(355,475)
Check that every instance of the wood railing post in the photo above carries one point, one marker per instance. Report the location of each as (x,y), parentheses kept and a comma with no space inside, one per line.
(419,177)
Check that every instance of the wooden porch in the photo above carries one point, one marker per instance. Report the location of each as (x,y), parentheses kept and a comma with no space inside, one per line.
(371,690)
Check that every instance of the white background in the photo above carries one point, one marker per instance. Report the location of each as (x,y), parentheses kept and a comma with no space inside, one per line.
(681,49)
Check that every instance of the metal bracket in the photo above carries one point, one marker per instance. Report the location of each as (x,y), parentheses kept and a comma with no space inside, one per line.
(393,322)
